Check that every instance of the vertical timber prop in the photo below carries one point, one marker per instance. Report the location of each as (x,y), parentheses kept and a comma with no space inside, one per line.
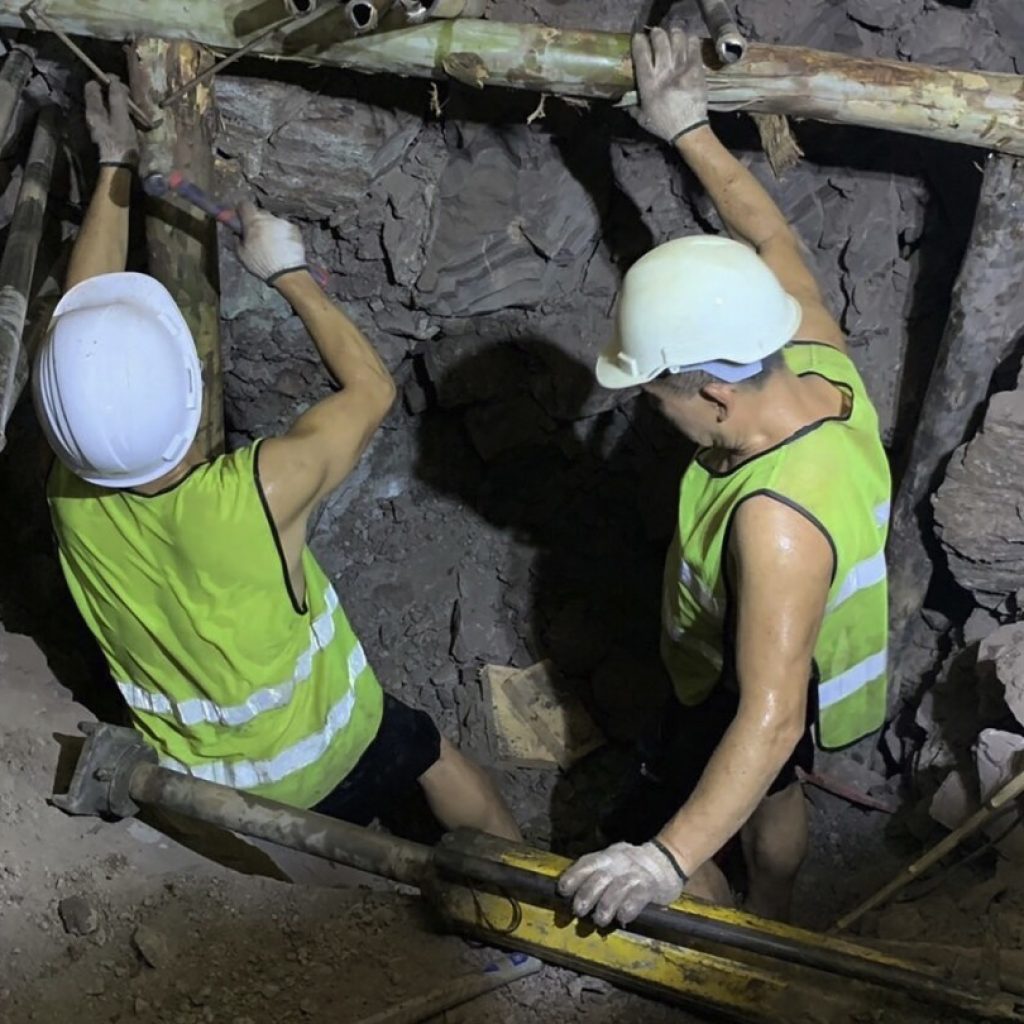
(19,260)
(182,243)
(986,319)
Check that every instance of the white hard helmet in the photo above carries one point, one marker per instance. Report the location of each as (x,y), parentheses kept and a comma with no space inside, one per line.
(697,303)
(117,382)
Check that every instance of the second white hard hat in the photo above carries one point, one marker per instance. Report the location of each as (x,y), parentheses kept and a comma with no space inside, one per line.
(117,382)
(696,301)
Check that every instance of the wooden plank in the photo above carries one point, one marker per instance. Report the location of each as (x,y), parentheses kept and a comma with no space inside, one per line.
(970,107)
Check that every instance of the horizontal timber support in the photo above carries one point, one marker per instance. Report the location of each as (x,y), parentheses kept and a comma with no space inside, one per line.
(969,107)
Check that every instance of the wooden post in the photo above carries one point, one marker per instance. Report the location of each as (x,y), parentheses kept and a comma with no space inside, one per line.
(181,242)
(985,320)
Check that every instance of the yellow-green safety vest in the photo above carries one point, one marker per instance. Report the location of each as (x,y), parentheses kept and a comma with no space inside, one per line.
(226,675)
(834,472)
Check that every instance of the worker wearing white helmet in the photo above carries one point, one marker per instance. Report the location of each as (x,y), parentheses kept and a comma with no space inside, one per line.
(224,636)
(774,616)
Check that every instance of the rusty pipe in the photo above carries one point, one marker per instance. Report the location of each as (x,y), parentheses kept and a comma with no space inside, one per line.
(13,79)
(307,831)
(19,260)
(729,42)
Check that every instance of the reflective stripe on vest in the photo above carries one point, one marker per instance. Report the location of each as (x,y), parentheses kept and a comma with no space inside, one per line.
(847,683)
(189,712)
(249,774)
(864,574)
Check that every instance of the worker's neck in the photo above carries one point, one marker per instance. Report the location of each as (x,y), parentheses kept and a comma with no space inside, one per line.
(193,458)
(768,416)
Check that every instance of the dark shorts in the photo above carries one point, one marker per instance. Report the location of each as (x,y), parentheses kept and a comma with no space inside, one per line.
(673,758)
(406,745)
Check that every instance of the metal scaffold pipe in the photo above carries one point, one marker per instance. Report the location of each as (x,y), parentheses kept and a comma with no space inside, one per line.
(19,260)
(375,852)
(13,79)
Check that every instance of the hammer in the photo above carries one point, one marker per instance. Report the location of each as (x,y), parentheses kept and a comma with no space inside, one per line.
(160,185)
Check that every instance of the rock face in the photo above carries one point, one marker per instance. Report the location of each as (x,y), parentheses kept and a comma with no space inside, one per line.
(979,508)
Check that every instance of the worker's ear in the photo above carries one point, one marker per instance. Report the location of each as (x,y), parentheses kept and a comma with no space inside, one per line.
(722,396)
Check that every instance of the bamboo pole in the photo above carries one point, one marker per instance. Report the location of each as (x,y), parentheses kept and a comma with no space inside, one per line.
(13,79)
(990,809)
(970,107)
(19,260)
(182,243)
(985,319)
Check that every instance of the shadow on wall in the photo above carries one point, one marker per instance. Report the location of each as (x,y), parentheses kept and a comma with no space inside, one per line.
(590,486)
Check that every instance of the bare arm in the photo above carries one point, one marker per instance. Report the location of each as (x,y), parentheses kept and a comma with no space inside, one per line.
(752,216)
(102,243)
(782,572)
(324,444)
(673,90)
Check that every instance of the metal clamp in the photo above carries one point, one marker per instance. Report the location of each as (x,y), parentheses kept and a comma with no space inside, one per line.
(102,781)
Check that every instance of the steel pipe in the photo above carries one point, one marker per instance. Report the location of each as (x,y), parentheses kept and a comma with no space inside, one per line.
(729,42)
(13,79)
(19,260)
(365,15)
(375,852)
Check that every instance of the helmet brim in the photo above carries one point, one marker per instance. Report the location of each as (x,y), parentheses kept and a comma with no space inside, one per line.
(611,376)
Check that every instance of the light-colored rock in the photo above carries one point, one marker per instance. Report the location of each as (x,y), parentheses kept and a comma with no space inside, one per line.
(954,801)
(1000,756)
(1001,654)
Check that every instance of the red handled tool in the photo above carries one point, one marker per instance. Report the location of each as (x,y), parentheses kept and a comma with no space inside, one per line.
(159,185)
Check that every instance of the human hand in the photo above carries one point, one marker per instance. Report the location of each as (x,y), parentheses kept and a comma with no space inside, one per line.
(270,246)
(110,124)
(671,83)
(620,881)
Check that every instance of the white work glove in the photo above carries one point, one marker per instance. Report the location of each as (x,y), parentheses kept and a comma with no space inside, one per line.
(270,246)
(620,881)
(110,124)
(671,83)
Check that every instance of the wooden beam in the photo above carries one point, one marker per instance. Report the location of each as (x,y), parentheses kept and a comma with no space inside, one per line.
(970,107)
(986,318)
(182,243)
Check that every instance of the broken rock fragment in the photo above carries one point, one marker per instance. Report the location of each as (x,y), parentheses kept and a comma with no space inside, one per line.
(79,915)
(978,508)
(1002,654)
(151,946)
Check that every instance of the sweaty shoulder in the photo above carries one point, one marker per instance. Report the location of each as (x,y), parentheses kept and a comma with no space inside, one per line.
(772,535)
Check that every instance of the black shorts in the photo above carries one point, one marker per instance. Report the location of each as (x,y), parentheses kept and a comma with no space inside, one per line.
(406,745)
(673,758)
